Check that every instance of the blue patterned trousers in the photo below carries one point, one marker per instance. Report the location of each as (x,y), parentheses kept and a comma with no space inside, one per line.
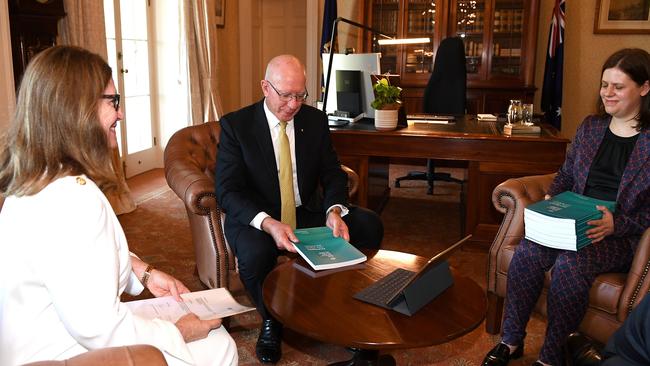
(568,296)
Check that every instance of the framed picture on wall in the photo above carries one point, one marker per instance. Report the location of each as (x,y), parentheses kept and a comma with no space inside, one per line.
(622,16)
(220,12)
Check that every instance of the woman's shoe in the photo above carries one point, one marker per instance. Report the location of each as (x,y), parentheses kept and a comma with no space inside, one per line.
(500,355)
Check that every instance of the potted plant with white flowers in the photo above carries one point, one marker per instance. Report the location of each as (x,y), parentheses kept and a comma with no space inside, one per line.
(386,104)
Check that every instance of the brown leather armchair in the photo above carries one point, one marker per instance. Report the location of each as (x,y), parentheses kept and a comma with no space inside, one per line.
(136,355)
(190,158)
(612,296)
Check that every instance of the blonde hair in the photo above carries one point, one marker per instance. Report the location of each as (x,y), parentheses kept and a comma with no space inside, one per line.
(55,130)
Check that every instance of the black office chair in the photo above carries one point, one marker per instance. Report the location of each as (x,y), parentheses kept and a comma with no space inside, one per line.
(445,94)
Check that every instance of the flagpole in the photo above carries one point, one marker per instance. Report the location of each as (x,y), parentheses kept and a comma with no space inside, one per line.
(331,55)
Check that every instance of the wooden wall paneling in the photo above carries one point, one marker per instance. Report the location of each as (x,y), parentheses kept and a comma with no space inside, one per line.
(33,27)
(492,86)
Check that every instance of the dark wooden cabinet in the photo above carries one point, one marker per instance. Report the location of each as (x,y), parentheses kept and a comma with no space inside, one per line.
(500,41)
(33,27)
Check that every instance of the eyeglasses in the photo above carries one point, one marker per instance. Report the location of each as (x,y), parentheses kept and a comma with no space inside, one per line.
(115,100)
(286,97)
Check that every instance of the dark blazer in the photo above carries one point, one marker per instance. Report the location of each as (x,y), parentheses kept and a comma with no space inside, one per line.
(246,177)
(632,214)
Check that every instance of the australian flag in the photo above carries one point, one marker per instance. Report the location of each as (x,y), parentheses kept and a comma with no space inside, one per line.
(329,15)
(552,89)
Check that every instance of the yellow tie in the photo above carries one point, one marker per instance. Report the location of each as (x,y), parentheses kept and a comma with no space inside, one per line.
(286,179)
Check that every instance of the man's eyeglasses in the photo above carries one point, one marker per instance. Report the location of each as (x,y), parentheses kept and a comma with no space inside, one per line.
(286,97)
(114,98)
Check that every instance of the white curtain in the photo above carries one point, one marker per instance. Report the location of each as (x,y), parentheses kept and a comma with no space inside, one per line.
(84,27)
(202,43)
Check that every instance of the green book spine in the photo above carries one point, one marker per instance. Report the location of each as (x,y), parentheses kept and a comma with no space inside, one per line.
(569,205)
(561,217)
(323,251)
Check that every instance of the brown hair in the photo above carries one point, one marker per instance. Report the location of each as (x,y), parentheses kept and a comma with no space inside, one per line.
(635,63)
(55,130)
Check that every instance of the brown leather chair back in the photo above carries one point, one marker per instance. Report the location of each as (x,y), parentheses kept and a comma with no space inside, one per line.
(190,159)
(612,296)
(136,355)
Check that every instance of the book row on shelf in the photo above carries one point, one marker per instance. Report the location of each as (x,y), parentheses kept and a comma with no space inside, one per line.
(473,48)
(505,69)
(509,20)
(506,52)
(421,24)
(385,21)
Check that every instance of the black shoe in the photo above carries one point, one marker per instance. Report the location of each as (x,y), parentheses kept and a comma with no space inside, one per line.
(581,351)
(268,347)
(500,355)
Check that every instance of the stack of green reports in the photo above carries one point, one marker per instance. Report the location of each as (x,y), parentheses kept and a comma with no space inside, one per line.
(561,222)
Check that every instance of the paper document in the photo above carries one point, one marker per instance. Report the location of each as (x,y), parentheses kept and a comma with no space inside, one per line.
(428,121)
(486,117)
(208,304)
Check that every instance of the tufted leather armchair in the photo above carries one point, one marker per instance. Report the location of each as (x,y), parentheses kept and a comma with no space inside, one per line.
(190,158)
(136,355)
(612,296)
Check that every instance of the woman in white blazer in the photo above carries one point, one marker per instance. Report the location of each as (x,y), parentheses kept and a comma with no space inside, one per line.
(64,259)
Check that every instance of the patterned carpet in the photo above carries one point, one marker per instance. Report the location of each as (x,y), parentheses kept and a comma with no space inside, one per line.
(158,232)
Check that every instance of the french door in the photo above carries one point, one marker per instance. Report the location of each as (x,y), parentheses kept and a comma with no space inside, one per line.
(129,50)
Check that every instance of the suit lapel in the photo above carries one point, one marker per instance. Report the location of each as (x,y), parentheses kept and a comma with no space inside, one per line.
(263,134)
(640,156)
(301,141)
(592,143)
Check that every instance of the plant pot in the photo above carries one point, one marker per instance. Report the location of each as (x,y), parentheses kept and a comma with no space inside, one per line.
(385,119)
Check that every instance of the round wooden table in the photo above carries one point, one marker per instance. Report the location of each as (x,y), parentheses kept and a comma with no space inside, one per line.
(323,308)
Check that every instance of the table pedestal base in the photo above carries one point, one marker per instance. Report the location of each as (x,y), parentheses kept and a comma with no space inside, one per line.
(367,358)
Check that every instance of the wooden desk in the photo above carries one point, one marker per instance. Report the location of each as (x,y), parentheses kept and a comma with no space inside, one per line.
(323,308)
(491,158)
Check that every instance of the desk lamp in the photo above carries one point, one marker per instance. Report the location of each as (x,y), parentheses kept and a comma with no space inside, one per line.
(388,40)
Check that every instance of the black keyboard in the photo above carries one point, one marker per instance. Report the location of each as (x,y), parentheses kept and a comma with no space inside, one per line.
(383,291)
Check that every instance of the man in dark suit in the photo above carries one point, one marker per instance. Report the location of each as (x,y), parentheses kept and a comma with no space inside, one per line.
(277,170)
(628,346)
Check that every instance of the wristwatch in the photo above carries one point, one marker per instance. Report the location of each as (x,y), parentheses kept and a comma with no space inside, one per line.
(146,275)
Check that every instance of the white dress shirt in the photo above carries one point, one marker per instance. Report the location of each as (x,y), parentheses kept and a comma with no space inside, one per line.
(274,127)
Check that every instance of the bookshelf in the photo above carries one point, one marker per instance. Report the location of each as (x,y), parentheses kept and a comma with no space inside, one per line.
(500,41)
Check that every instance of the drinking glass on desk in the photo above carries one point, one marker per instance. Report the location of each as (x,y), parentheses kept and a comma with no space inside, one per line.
(527,113)
(514,112)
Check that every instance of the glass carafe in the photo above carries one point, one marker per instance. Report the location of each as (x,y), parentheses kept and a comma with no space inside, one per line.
(515,113)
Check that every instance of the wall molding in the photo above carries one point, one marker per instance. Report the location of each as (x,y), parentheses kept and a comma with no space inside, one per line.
(7,93)
(312,47)
(245,52)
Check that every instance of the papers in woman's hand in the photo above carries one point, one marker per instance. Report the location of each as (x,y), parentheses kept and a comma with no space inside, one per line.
(486,117)
(208,304)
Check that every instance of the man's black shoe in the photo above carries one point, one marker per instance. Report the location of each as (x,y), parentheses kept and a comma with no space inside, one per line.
(500,355)
(268,348)
(581,351)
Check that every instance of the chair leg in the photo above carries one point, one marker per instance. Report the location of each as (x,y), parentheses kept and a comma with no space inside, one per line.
(431,174)
(494,313)
(462,209)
